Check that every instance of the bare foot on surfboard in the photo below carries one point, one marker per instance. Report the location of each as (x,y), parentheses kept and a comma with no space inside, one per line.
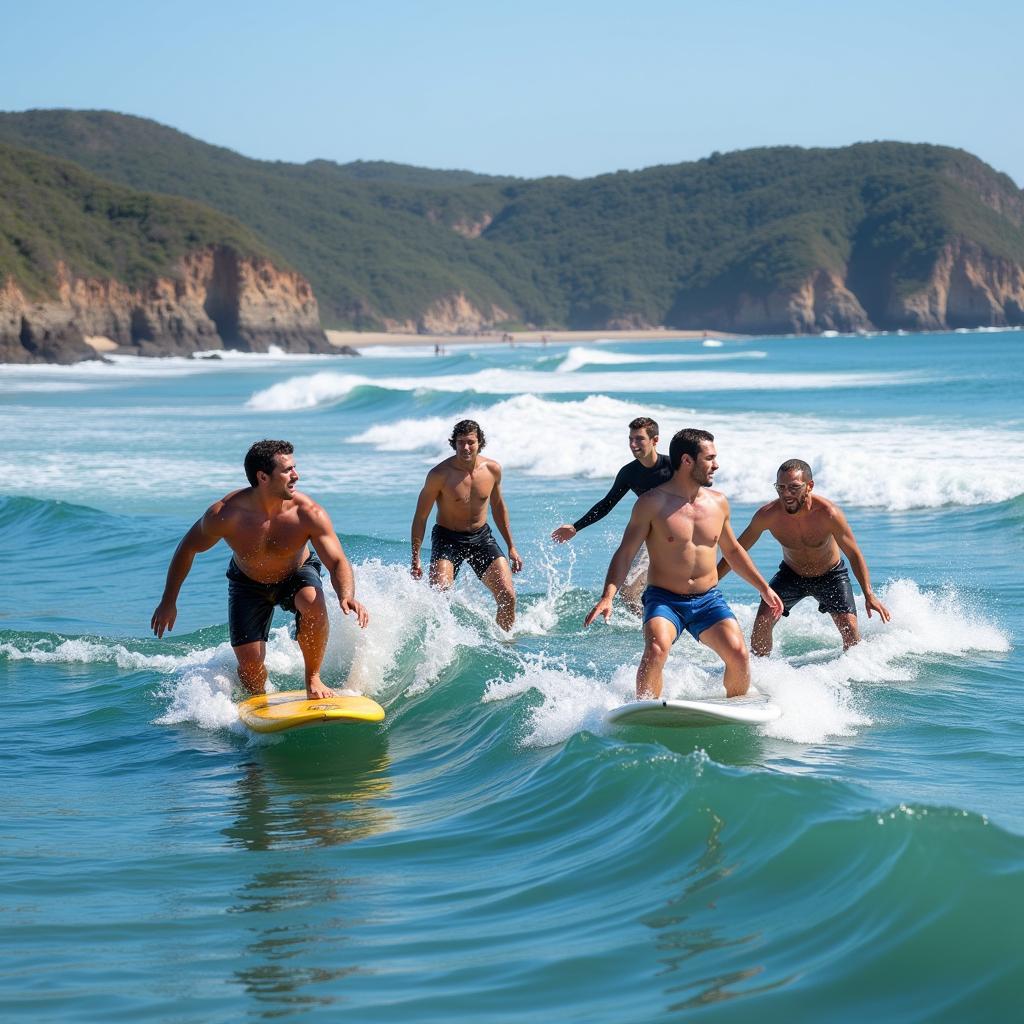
(315,690)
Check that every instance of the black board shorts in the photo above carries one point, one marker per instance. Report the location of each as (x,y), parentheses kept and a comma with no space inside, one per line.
(251,604)
(831,590)
(478,547)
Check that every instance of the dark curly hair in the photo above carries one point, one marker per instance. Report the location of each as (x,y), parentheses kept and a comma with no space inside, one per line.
(687,442)
(467,427)
(261,457)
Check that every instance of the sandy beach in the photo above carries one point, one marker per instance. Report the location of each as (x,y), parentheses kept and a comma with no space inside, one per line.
(362,339)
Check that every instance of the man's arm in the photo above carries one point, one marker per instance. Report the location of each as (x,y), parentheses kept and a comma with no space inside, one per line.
(618,491)
(324,539)
(738,558)
(500,512)
(202,535)
(430,493)
(637,529)
(849,547)
(747,539)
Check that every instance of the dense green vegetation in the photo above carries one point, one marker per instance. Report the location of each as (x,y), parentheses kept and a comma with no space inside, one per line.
(662,245)
(52,210)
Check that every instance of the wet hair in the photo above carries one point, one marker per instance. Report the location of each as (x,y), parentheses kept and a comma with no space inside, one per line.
(645,423)
(796,464)
(467,427)
(687,442)
(261,457)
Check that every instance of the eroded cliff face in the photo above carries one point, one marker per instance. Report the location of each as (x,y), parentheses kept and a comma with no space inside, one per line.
(967,288)
(822,302)
(452,314)
(217,300)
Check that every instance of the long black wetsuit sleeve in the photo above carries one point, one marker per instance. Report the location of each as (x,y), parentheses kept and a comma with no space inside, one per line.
(607,503)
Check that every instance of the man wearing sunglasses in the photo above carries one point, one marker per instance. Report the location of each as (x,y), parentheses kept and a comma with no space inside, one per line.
(814,535)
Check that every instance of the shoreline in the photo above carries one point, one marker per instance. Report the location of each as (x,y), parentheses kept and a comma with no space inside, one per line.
(363,339)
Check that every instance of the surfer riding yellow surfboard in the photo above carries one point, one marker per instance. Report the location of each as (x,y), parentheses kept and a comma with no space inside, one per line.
(270,528)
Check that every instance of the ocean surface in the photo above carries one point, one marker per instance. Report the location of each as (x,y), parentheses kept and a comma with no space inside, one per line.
(491,852)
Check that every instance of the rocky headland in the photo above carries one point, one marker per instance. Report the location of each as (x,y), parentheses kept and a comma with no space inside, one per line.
(216,299)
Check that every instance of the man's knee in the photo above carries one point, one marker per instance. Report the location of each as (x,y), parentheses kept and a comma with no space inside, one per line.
(657,647)
(310,601)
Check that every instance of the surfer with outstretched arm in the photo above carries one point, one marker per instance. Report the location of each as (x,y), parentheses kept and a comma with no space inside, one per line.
(683,523)
(463,487)
(814,535)
(647,470)
(269,527)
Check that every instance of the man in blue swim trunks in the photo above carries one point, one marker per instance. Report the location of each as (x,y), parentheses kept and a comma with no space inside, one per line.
(814,535)
(683,524)
(270,527)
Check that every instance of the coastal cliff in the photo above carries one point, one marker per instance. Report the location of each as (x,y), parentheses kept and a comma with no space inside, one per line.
(216,299)
(877,235)
(452,314)
(967,288)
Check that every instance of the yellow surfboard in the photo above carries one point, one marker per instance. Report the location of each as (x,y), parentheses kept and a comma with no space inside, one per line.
(274,712)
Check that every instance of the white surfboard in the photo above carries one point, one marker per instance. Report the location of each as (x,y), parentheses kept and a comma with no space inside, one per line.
(752,708)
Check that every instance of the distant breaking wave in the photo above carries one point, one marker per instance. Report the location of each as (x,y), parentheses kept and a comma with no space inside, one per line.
(587,438)
(579,357)
(325,388)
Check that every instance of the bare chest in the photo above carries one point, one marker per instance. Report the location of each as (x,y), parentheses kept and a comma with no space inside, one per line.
(801,533)
(254,536)
(695,525)
(469,490)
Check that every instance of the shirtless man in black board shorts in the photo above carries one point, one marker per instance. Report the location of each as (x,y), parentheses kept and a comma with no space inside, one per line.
(647,471)
(463,487)
(812,531)
(270,527)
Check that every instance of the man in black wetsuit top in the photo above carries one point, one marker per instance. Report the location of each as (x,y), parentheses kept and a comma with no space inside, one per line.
(647,471)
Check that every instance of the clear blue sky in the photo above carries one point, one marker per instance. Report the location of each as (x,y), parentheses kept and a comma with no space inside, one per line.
(578,87)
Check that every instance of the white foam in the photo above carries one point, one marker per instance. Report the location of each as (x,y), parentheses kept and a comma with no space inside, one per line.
(116,369)
(327,388)
(578,357)
(820,690)
(587,438)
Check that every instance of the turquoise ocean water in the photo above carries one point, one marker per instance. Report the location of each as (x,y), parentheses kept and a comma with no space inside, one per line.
(492,853)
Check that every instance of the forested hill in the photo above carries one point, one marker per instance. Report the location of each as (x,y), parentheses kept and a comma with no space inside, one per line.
(81,255)
(781,239)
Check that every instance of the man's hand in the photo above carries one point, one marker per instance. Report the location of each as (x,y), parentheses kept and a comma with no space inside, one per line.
(350,604)
(514,561)
(163,618)
(872,603)
(563,533)
(603,607)
(416,572)
(774,602)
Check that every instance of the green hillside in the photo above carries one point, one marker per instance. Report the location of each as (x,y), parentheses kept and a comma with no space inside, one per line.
(673,244)
(53,210)
(368,247)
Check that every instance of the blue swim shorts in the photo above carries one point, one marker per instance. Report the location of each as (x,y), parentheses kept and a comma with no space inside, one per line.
(692,612)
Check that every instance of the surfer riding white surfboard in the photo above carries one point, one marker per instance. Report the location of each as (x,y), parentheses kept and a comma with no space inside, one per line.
(683,523)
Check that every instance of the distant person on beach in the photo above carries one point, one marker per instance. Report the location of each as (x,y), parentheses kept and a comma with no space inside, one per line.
(270,527)
(812,531)
(647,470)
(463,487)
(683,523)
